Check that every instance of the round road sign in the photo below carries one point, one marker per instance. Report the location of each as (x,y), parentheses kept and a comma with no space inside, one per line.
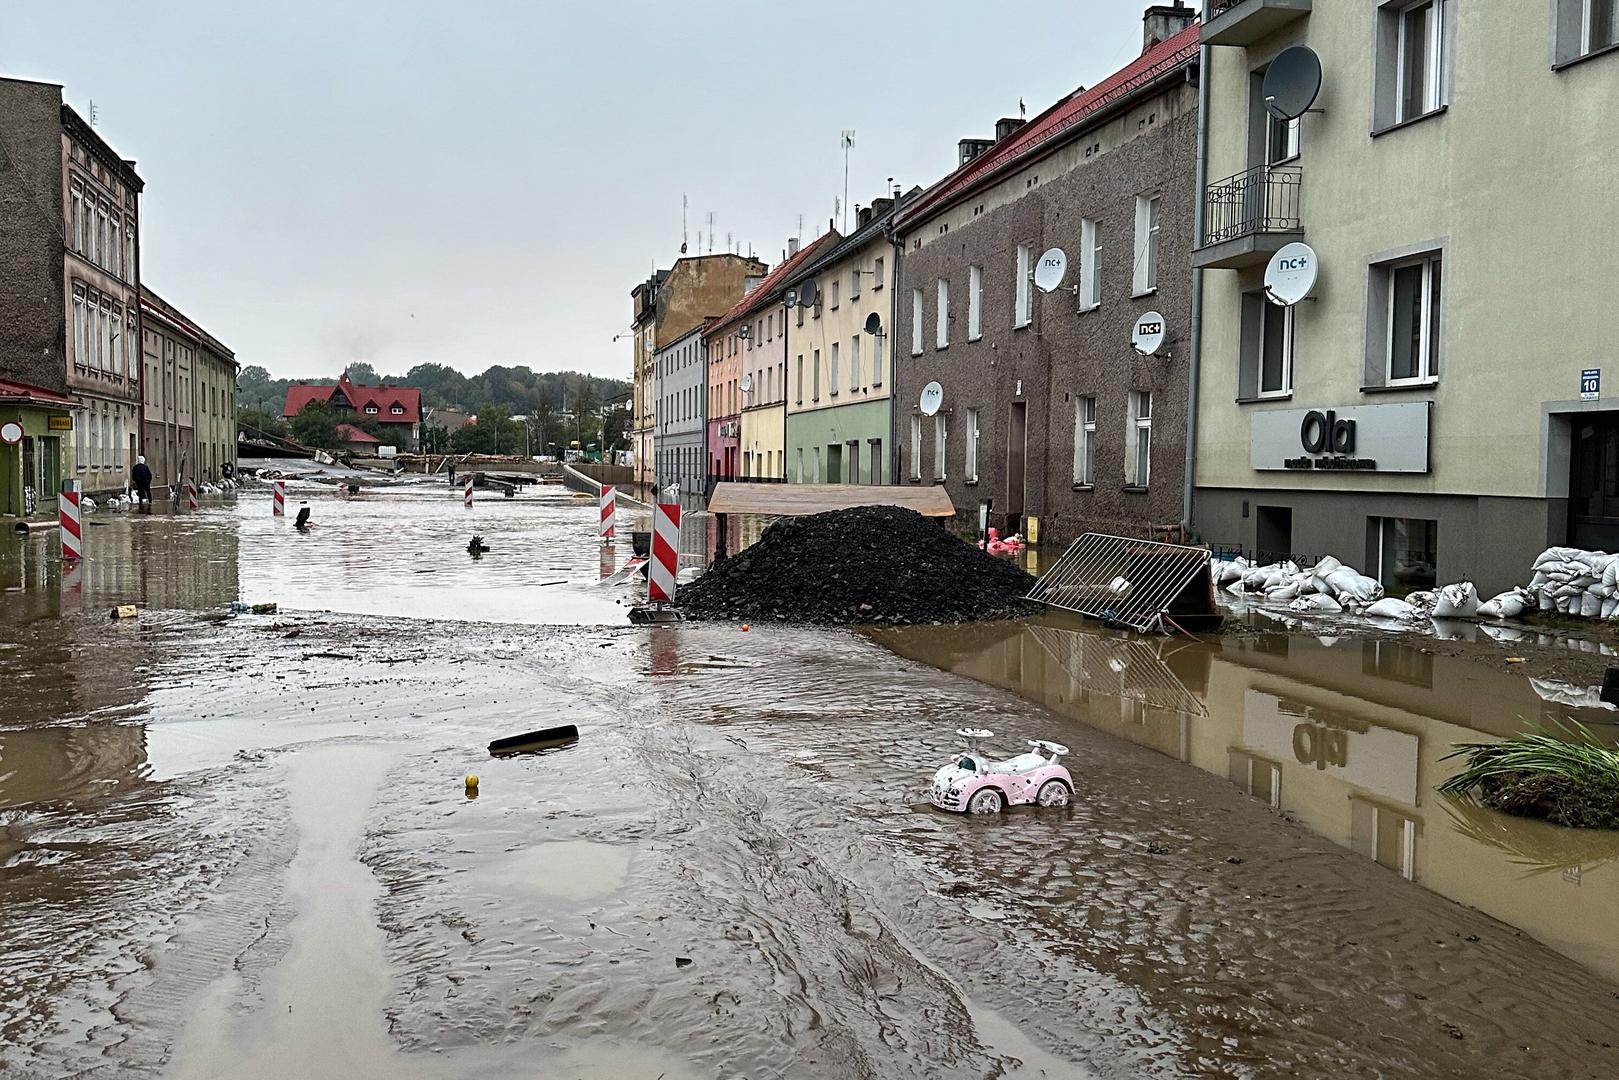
(11,433)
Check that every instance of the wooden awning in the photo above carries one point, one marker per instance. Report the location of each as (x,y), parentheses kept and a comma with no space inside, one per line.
(793,500)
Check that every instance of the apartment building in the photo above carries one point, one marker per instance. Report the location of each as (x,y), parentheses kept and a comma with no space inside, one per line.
(189,412)
(680,443)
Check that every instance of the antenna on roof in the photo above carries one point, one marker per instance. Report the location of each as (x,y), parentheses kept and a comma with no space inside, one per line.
(684,204)
(95,114)
(711,232)
(848,144)
(1022,110)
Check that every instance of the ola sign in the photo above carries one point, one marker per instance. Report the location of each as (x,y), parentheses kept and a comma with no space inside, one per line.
(1290,274)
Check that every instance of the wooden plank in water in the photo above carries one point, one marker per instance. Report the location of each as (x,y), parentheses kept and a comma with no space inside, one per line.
(793,500)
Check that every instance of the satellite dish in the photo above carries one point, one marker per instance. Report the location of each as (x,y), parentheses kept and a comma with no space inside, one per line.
(747,383)
(808,293)
(1290,274)
(1048,274)
(1148,334)
(932,398)
(790,298)
(743,332)
(874,324)
(1292,82)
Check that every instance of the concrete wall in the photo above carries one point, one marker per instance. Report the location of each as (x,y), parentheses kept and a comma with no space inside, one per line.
(1042,368)
(33,341)
(822,429)
(1516,180)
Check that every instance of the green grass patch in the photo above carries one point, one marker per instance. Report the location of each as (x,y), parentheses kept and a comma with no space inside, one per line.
(1564,776)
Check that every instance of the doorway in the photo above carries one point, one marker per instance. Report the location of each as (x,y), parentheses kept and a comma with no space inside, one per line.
(1593,484)
(1017,452)
(834,464)
(875,474)
(853,457)
(1273,533)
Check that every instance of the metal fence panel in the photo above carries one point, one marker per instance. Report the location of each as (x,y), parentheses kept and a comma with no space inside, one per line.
(1120,580)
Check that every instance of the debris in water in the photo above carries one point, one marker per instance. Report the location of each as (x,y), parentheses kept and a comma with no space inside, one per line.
(543,739)
(125,611)
(866,564)
(682,961)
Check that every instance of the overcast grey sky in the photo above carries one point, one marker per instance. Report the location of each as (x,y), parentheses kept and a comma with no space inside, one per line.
(483,182)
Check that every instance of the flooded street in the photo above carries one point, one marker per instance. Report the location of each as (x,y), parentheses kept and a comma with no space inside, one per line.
(243,847)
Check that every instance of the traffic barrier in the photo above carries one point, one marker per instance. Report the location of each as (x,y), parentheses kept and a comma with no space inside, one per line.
(278,502)
(191,494)
(609,508)
(466,492)
(665,553)
(68,517)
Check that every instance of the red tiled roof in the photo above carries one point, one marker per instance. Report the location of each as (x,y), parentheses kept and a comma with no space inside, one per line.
(25,394)
(772,279)
(351,434)
(383,397)
(1072,110)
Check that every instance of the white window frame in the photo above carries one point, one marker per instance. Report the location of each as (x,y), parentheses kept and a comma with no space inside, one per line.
(1289,139)
(76,214)
(1589,10)
(916,322)
(916,447)
(1429,362)
(854,284)
(833,304)
(798,392)
(971,466)
(1145,277)
(1021,309)
(941,446)
(941,331)
(854,363)
(1287,314)
(832,368)
(877,273)
(1085,440)
(115,244)
(1433,70)
(1138,432)
(1090,264)
(975,302)
(815,378)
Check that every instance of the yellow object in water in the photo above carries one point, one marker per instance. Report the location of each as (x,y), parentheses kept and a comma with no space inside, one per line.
(1034,531)
(472,780)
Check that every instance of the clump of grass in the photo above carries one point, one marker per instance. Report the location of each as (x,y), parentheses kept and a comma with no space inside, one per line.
(1566,777)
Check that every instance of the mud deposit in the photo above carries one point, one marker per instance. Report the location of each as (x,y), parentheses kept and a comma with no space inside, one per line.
(243,848)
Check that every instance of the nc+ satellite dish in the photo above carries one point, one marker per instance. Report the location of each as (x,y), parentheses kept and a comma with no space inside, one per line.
(1048,274)
(1148,334)
(808,293)
(1292,82)
(1290,274)
(932,398)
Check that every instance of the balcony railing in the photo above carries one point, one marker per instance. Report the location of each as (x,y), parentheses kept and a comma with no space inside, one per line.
(1265,199)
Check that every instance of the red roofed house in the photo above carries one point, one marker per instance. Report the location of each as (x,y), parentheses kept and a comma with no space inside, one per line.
(355,439)
(1048,410)
(397,408)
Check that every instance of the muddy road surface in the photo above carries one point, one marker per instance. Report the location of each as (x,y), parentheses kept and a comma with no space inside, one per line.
(243,847)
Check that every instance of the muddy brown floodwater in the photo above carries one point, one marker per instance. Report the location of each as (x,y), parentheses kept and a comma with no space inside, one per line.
(242,847)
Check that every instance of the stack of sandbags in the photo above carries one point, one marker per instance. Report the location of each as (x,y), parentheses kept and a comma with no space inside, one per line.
(1572,581)
(1329,586)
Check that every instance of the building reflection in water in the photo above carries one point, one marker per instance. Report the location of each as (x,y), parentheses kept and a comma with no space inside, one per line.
(1347,737)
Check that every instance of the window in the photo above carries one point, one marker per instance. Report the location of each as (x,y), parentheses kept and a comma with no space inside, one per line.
(798,467)
(115,247)
(854,284)
(972,445)
(1407,552)
(1276,351)
(1138,440)
(939,446)
(854,363)
(1090,264)
(79,460)
(117,448)
(1281,139)
(877,274)
(1406,298)
(396,410)
(1421,44)
(815,381)
(1146,266)
(916,322)
(832,372)
(76,216)
(800,314)
(833,302)
(1598,24)
(81,336)
(129,251)
(1085,440)
(95,439)
(942,326)
(916,446)
(1020,310)
(372,410)
(798,380)
(975,302)
(100,256)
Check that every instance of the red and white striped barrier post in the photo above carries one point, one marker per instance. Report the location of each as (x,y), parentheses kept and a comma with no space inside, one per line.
(466,490)
(67,515)
(665,553)
(278,501)
(191,494)
(609,508)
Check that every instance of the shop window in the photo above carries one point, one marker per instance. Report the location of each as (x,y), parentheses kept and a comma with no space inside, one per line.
(1406,552)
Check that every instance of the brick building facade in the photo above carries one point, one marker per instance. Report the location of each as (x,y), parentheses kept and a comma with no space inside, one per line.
(1048,410)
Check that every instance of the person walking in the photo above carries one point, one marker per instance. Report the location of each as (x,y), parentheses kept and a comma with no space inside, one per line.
(140,477)
(451,462)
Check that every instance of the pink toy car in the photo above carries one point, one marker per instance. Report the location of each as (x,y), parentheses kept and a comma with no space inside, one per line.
(974,784)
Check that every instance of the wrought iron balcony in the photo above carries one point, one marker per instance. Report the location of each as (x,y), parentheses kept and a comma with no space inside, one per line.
(1248,216)
(1243,22)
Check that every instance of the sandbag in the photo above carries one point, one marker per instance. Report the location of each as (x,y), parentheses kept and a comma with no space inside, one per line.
(1282,593)
(1422,600)
(1390,608)
(1609,606)
(1507,605)
(1590,605)
(1347,582)
(1458,601)
(1318,603)
(1326,566)
(1548,602)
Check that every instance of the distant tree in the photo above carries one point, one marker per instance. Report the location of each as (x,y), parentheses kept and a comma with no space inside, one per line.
(256,423)
(434,439)
(316,425)
(494,433)
(616,428)
(256,389)
(362,373)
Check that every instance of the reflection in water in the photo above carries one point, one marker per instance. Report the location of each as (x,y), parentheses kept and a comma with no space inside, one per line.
(1347,737)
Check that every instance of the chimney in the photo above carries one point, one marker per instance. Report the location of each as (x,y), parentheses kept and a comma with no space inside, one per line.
(1162,22)
(967,149)
(1006,125)
(792,246)
(750,283)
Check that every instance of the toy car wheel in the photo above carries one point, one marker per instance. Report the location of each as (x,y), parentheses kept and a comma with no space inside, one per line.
(1052,793)
(985,801)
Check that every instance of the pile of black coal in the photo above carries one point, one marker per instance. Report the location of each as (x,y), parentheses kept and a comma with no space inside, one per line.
(869,564)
